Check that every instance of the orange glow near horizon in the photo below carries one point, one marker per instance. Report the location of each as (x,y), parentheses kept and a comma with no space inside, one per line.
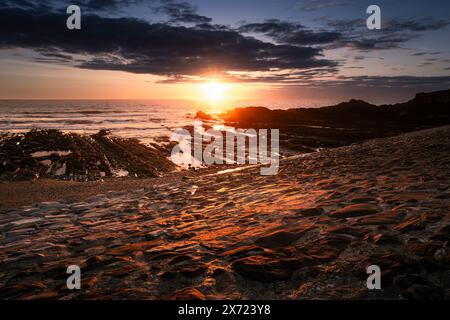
(33,80)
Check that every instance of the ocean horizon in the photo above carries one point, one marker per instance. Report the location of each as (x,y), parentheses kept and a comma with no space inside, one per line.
(142,119)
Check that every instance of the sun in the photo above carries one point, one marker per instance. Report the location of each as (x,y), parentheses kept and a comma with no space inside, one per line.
(214,91)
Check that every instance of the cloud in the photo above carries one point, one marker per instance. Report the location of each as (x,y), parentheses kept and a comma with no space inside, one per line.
(314,5)
(323,78)
(312,79)
(391,25)
(101,4)
(351,33)
(18,3)
(424,24)
(418,54)
(159,48)
(394,81)
(110,6)
(182,12)
(190,45)
(394,33)
(290,33)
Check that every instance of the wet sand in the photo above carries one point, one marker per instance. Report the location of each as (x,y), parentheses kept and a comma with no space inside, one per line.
(309,232)
(14,194)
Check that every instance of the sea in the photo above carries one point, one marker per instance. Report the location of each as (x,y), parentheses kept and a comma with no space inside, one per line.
(146,120)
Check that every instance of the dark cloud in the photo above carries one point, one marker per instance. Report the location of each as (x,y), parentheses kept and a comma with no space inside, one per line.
(314,5)
(182,12)
(111,6)
(311,78)
(390,26)
(351,33)
(27,4)
(290,33)
(418,54)
(55,54)
(18,3)
(393,34)
(394,81)
(424,24)
(382,42)
(98,6)
(425,64)
(211,27)
(180,51)
(102,5)
(137,46)
(272,27)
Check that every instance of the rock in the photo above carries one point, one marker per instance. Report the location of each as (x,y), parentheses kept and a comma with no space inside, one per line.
(309,212)
(326,248)
(355,210)
(186,294)
(422,248)
(384,239)
(403,281)
(16,290)
(423,292)
(413,223)
(218,272)
(363,199)
(443,196)
(180,258)
(42,296)
(242,252)
(71,156)
(442,234)
(277,239)
(379,219)
(352,231)
(261,269)
(203,116)
(191,271)
(442,255)
(282,238)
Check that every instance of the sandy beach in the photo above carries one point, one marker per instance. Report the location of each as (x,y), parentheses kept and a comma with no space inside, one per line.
(309,232)
(45,190)
(253,155)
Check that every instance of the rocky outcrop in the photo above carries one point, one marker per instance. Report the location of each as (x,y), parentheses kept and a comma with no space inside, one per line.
(307,129)
(54,154)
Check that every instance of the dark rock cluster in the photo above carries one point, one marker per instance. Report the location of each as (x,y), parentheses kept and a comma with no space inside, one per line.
(308,129)
(54,154)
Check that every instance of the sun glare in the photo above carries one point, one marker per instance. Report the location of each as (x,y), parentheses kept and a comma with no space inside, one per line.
(214,92)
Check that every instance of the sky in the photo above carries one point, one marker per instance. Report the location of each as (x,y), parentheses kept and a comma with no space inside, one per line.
(235,49)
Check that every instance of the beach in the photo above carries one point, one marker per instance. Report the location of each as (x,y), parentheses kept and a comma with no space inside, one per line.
(254,155)
(309,232)
(45,190)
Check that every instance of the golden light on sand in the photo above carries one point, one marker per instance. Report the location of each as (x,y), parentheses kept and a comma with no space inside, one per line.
(214,92)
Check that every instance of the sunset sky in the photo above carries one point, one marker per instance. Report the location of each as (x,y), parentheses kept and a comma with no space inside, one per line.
(246,49)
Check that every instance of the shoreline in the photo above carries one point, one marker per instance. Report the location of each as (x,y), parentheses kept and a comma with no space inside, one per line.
(50,190)
(66,191)
(309,232)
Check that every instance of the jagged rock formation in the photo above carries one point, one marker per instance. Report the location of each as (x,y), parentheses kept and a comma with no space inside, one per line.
(306,129)
(53,154)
